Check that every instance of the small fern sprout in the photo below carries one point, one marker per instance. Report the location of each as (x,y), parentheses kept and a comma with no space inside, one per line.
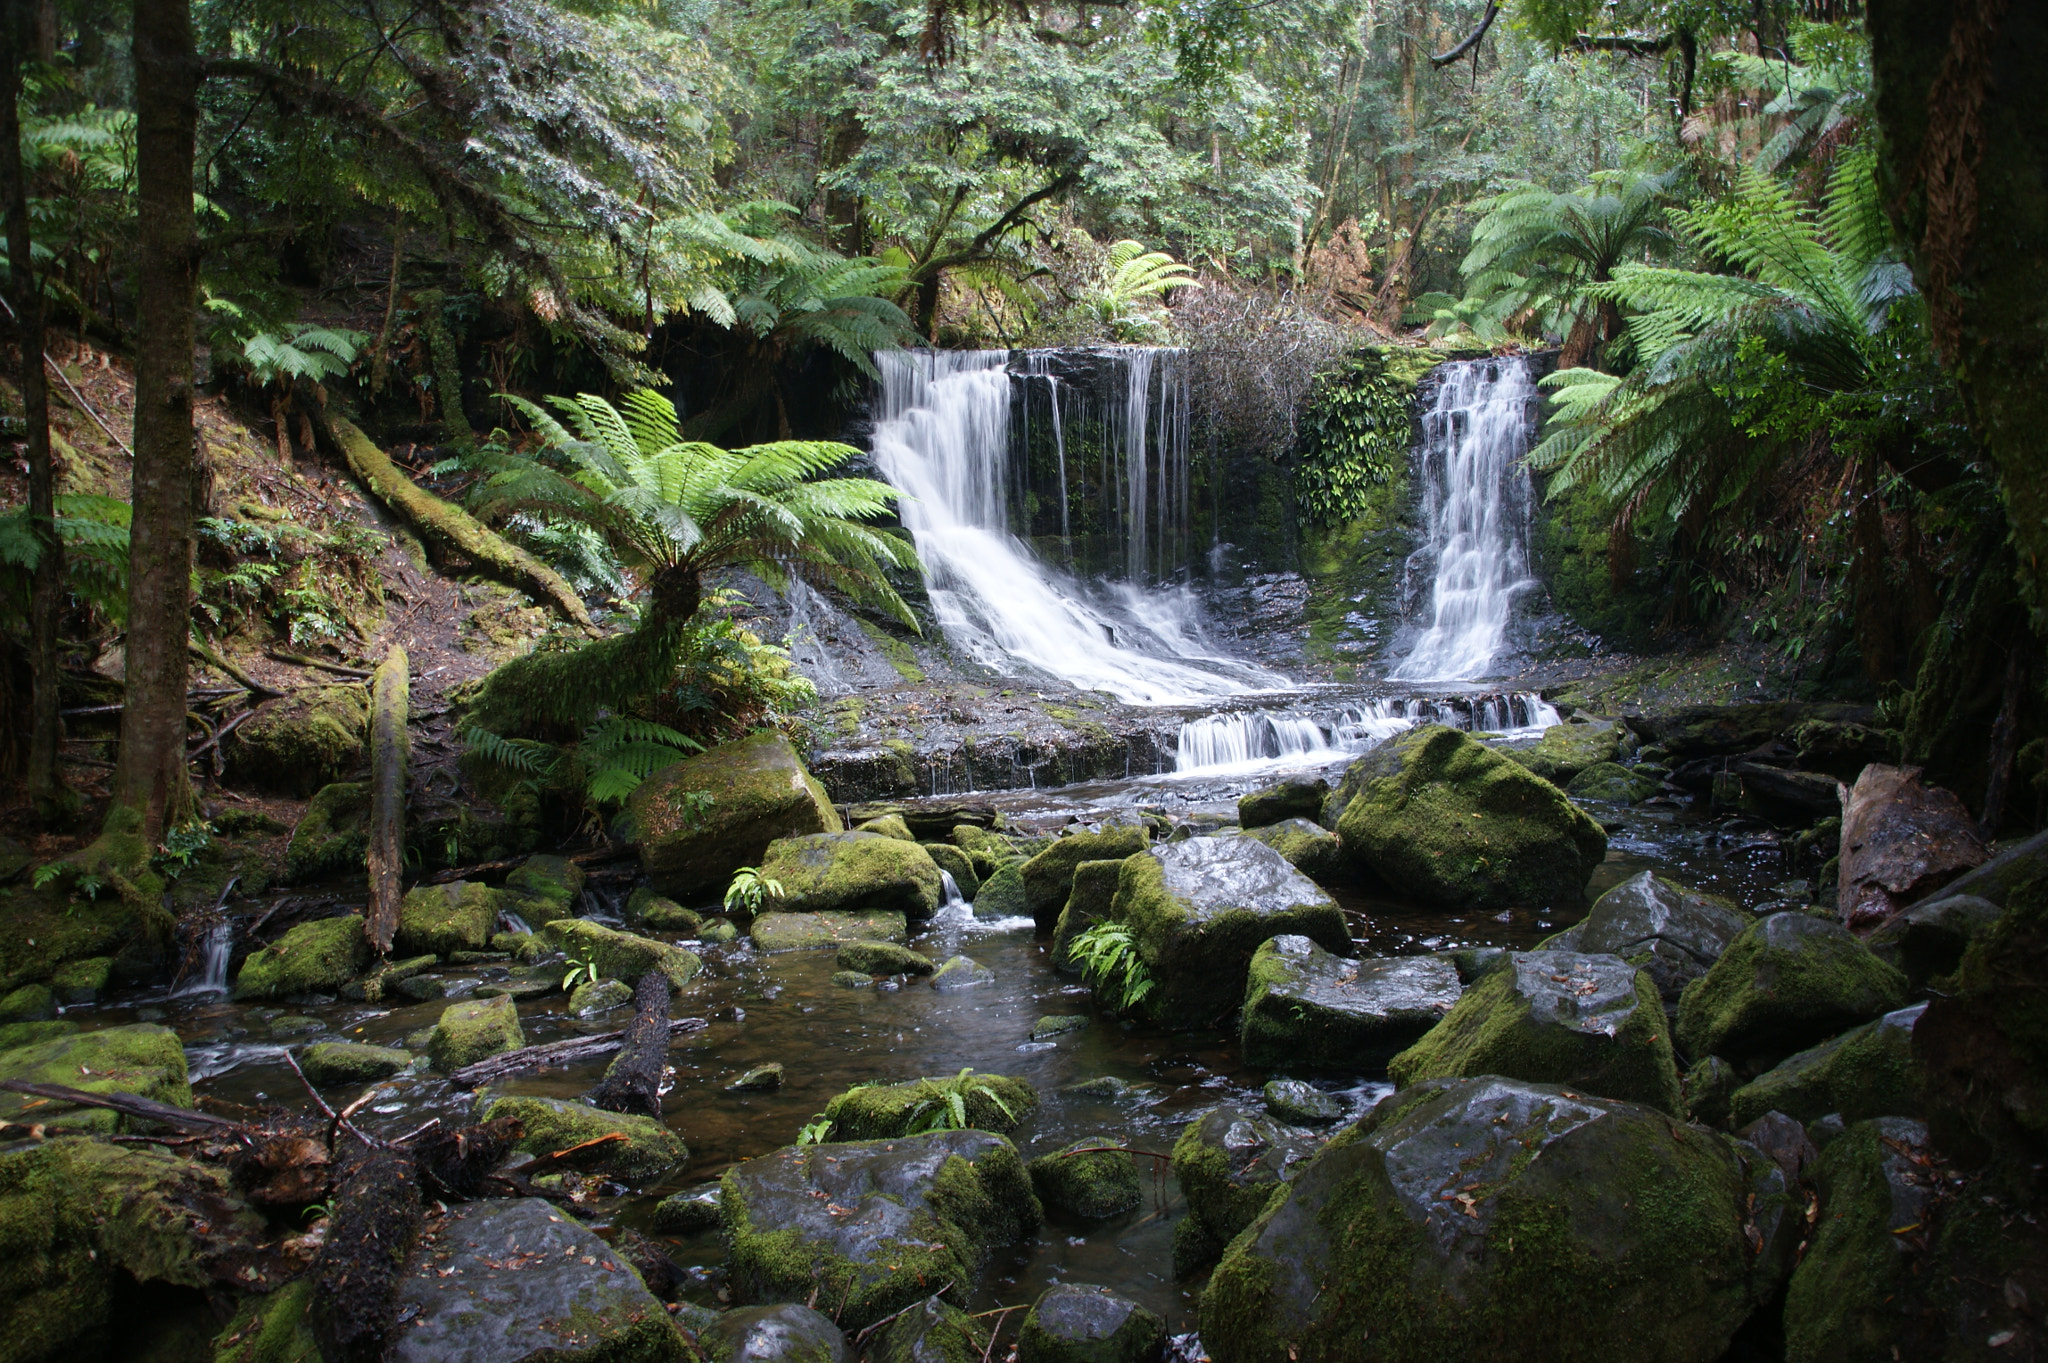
(749,890)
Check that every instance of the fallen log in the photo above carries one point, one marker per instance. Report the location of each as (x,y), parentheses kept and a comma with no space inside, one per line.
(632,1082)
(1900,840)
(388,751)
(179,1119)
(376,1221)
(554,1053)
(457,1163)
(301,660)
(249,683)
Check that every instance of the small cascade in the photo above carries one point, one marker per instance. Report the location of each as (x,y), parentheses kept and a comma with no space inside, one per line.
(1248,736)
(1245,739)
(509,921)
(950,889)
(1477,498)
(207,965)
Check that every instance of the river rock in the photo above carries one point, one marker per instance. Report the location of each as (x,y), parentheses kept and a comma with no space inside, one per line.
(621,955)
(760,1079)
(80,983)
(986,849)
(1709,1090)
(1901,841)
(809,931)
(1854,1294)
(1298,797)
(954,863)
(1052,1025)
(1927,940)
(759,792)
(543,888)
(592,997)
(1088,903)
(473,1029)
(1656,925)
(1611,783)
(349,1062)
(689,1212)
(788,1333)
(648,912)
(1590,1023)
(1997,878)
(1787,982)
(141,1058)
(961,972)
(1565,750)
(1095,1182)
(883,958)
(440,919)
(1229,1162)
(1442,817)
(888,825)
(1867,1072)
(1492,1218)
(515,1281)
(1077,1323)
(995,1102)
(1309,849)
(313,958)
(29,1003)
(649,1151)
(853,873)
(1198,909)
(1707,730)
(298,744)
(1049,876)
(1301,1104)
(1002,893)
(329,838)
(933,1331)
(1305,1009)
(877,1225)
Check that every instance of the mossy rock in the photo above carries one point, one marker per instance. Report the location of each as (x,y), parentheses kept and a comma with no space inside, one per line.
(543,888)
(1867,1072)
(1078,1323)
(1927,941)
(331,838)
(933,1331)
(1656,925)
(956,864)
(303,742)
(927,1211)
(29,1003)
(788,1332)
(40,930)
(853,873)
(649,1151)
(442,919)
(271,1329)
(1853,1295)
(1059,1024)
(1230,1162)
(1088,903)
(1445,819)
(883,958)
(880,1111)
(811,931)
(1589,1023)
(621,955)
(985,848)
(1197,910)
(1297,798)
(1308,847)
(348,1062)
(1613,784)
(142,1059)
(1049,877)
(852,979)
(1491,1218)
(961,972)
(1789,981)
(1002,893)
(14,1034)
(759,792)
(650,912)
(1084,1179)
(688,1212)
(385,979)
(80,982)
(889,826)
(1709,1089)
(473,1029)
(1565,750)
(1306,1009)
(313,958)
(592,997)
(1300,1103)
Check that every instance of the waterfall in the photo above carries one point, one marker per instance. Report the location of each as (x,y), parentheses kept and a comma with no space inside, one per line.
(1476,496)
(942,436)
(211,957)
(1248,736)
(1217,744)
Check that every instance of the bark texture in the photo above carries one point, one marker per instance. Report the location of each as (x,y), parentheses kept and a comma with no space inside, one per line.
(633,1082)
(388,752)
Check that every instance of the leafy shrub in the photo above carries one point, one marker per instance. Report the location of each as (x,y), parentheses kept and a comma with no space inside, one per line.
(1354,437)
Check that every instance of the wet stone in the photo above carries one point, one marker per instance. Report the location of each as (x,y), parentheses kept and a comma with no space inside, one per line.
(1927,940)
(760,1079)
(962,972)
(601,996)
(809,931)
(1866,1072)
(1229,1162)
(1299,798)
(883,958)
(1077,1323)
(1292,1100)
(1305,1008)
(788,1333)
(1052,1026)
(852,979)
(348,1062)
(1088,1179)
(296,1025)
(689,1212)
(516,989)
(1659,926)
(1787,982)
(933,1331)
(419,988)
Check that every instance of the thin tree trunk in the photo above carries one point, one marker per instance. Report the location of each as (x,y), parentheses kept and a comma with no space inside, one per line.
(388,716)
(46,593)
(151,789)
(632,1082)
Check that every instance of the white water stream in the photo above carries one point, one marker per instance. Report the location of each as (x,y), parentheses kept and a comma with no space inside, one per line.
(1252,740)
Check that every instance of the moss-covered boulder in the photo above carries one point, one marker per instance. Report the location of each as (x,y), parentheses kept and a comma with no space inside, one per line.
(1656,925)
(812,931)
(994,1102)
(1298,797)
(621,955)
(1612,784)
(647,912)
(441,919)
(649,1151)
(1591,1023)
(933,1331)
(688,1212)
(42,929)
(956,864)
(1198,909)
(1308,847)
(29,1003)
(142,1059)
(874,1226)
(300,743)
(985,848)
(1077,1323)
(313,958)
(1565,750)
(82,982)
(1300,1103)
(853,873)
(1088,903)
(349,1062)
(758,792)
(1306,1009)
(1230,1162)
(472,1029)
(1002,893)
(788,1332)
(1787,982)
(1490,1218)
(889,826)
(1709,1090)
(1867,1072)
(1049,876)
(884,958)
(592,997)
(543,888)
(1445,819)
(331,837)
(1853,1296)
(1928,939)
(1706,730)
(1085,1179)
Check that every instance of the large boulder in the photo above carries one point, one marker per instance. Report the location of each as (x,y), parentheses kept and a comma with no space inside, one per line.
(649,1151)
(1613,784)
(1867,1072)
(787,1333)
(1308,847)
(1198,909)
(351,1062)
(933,1331)
(1298,797)
(515,1281)
(1088,1177)
(1901,841)
(440,919)
(1927,940)
(473,1029)
(1490,1218)
(621,955)
(1306,1009)
(1590,1023)
(1089,903)
(1002,893)
(313,958)
(1049,876)
(1077,1323)
(1656,925)
(330,838)
(853,873)
(1565,750)
(874,1226)
(1445,819)
(994,1102)
(543,888)
(1854,1298)
(300,743)
(758,792)
(1996,879)
(955,863)
(142,1059)
(809,931)
(1229,1162)
(1787,982)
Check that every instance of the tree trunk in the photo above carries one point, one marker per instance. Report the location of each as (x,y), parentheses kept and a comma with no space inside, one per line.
(46,594)
(150,788)
(388,715)
(632,1083)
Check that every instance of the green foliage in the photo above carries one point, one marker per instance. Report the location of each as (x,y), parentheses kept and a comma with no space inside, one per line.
(93,533)
(1109,961)
(182,845)
(606,764)
(1354,437)
(309,352)
(749,890)
(584,971)
(1133,277)
(816,1131)
(942,1103)
(303,585)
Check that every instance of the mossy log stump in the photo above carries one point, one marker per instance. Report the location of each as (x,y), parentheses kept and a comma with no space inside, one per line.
(389,711)
(633,1081)
(451,525)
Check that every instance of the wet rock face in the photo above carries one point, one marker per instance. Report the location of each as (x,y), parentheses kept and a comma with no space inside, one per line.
(1077,1323)
(759,792)
(853,873)
(1300,798)
(1589,1023)
(1488,1218)
(1309,849)
(1292,1100)
(1927,940)
(1867,1072)
(1787,982)
(1229,1162)
(876,1225)
(789,1333)
(1901,841)
(1306,1009)
(509,1281)
(313,958)
(1656,925)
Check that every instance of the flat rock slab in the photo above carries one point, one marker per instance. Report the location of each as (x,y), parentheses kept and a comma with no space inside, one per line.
(1077,1323)
(511,1281)
(1305,1008)
(811,931)
(789,1333)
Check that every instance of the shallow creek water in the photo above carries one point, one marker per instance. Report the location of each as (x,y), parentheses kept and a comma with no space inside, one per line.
(762,1008)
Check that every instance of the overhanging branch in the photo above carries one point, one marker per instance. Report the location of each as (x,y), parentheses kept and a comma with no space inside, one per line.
(1472,39)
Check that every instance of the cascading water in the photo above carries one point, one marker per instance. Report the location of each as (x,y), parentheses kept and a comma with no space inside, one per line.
(1248,739)
(942,436)
(1476,495)
(207,967)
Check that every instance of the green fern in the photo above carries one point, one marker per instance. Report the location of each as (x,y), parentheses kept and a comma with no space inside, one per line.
(942,1103)
(307,352)
(1132,276)
(1110,963)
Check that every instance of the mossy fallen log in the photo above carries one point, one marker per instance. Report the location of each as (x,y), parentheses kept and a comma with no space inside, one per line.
(632,1083)
(388,751)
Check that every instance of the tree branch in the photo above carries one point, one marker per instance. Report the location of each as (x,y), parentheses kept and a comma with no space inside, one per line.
(1635,47)
(1472,39)
(978,248)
